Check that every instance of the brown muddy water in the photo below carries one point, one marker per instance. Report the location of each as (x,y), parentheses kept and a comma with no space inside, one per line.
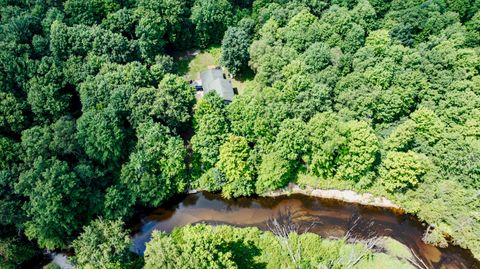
(330,218)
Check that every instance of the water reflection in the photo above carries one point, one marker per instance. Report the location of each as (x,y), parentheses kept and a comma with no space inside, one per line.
(330,218)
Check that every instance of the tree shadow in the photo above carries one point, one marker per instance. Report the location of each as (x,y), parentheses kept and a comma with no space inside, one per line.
(182,65)
(243,254)
(245,74)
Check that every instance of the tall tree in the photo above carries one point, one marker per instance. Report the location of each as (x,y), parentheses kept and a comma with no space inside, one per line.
(403,170)
(359,152)
(211,18)
(55,202)
(12,113)
(156,169)
(211,130)
(237,166)
(102,135)
(326,142)
(161,23)
(235,44)
(171,104)
(274,172)
(102,244)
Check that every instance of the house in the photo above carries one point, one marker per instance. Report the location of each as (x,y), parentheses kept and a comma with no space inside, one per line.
(214,80)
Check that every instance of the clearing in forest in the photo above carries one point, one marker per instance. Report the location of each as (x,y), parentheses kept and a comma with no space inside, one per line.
(191,63)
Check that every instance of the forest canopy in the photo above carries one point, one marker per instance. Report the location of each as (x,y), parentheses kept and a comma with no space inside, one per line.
(97,119)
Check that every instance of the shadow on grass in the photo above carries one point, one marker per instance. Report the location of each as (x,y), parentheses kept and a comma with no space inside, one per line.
(239,82)
(191,62)
(245,75)
(182,64)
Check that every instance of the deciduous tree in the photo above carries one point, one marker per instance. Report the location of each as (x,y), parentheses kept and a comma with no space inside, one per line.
(156,169)
(102,244)
(403,170)
(235,163)
(211,18)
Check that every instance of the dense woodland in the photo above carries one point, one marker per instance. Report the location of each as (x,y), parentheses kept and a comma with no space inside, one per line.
(95,118)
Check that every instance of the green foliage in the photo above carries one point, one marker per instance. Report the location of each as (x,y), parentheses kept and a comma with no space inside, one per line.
(56,195)
(199,250)
(9,150)
(419,21)
(211,180)
(118,203)
(301,31)
(102,244)
(171,104)
(88,12)
(359,153)
(160,23)
(450,208)
(326,141)
(57,139)
(122,21)
(235,163)
(317,57)
(473,27)
(395,248)
(46,90)
(156,168)
(10,205)
(424,129)
(14,251)
(80,40)
(458,159)
(211,18)
(274,172)
(175,101)
(376,96)
(51,266)
(113,85)
(101,135)
(344,150)
(235,44)
(203,246)
(211,129)
(12,116)
(291,141)
(403,170)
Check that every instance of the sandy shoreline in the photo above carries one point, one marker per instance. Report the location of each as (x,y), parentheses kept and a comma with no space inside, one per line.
(348,196)
(342,195)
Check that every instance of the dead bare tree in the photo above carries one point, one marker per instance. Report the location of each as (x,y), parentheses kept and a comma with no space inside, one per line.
(373,242)
(370,243)
(427,232)
(283,226)
(417,261)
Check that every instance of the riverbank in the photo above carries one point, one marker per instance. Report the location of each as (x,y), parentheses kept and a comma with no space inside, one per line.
(369,199)
(331,218)
(348,196)
(374,200)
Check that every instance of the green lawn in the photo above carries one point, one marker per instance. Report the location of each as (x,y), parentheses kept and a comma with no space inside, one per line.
(190,64)
(242,81)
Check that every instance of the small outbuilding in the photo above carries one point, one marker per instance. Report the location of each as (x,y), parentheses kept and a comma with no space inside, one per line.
(214,80)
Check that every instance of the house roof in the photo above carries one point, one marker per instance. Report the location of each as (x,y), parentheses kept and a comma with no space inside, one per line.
(212,80)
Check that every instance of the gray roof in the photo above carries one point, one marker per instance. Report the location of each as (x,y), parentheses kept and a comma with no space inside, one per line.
(212,80)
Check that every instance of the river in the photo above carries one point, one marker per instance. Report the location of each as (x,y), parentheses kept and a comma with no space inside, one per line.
(330,218)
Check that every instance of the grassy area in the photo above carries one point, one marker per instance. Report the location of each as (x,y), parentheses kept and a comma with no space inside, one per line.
(241,81)
(191,63)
